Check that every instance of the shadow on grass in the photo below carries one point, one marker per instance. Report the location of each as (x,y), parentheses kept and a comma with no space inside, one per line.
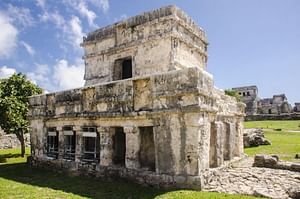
(3,157)
(83,186)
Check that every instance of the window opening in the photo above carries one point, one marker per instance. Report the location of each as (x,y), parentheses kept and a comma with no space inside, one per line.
(70,143)
(90,144)
(52,143)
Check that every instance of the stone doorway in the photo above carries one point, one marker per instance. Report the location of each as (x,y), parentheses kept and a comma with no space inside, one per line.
(119,146)
(147,150)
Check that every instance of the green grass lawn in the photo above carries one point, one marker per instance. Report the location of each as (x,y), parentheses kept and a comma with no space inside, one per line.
(18,180)
(285,144)
(280,124)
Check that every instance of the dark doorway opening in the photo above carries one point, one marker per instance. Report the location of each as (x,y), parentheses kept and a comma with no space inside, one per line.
(119,146)
(147,149)
(127,69)
(122,69)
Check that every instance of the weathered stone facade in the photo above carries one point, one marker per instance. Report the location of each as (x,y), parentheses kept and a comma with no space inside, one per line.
(149,111)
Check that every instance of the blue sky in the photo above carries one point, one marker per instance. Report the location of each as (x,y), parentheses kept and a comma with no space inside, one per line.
(252,42)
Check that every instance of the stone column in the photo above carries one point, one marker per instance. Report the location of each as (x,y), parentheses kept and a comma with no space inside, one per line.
(239,143)
(204,141)
(232,134)
(229,140)
(61,143)
(219,143)
(106,142)
(132,147)
(79,143)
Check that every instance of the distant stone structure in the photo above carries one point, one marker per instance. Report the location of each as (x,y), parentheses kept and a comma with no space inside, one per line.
(249,95)
(276,105)
(297,108)
(149,111)
(266,107)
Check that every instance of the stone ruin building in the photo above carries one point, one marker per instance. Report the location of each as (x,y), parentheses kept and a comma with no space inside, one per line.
(276,105)
(297,107)
(148,112)
(249,96)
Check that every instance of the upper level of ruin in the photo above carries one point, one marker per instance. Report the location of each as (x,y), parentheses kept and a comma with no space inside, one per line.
(247,92)
(158,41)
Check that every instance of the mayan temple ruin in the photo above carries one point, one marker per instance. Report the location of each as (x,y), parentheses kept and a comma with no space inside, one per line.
(148,112)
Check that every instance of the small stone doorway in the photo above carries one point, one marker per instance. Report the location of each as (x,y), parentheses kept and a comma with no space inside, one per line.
(119,146)
(147,150)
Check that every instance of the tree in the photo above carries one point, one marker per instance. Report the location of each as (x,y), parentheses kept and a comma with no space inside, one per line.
(14,94)
(233,93)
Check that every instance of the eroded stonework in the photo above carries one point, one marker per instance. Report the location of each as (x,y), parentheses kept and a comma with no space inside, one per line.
(149,111)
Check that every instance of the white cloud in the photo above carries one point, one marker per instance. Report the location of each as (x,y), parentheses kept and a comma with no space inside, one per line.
(75,33)
(8,36)
(41,3)
(89,14)
(41,77)
(81,6)
(57,19)
(103,4)
(28,48)
(71,30)
(20,16)
(68,76)
(6,71)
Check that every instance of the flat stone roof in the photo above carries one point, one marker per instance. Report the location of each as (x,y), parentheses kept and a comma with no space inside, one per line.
(145,17)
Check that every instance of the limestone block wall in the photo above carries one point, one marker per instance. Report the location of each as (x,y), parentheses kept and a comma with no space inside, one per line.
(149,112)
(158,41)
(176,126)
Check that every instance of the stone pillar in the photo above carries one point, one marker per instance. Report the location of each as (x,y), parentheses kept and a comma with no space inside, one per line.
(219,143)
(61,143)
(196,133)
(239,143)
(79,143)
(216,144)
(42,142)
(106,148)
(229,140)
(232,134)
(132,147)
(204,141)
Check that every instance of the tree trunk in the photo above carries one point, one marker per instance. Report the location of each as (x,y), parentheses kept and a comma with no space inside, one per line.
(22,141)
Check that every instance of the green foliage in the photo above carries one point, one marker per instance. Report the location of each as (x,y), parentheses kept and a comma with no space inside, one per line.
(233,93)
(14,93)
(19,180)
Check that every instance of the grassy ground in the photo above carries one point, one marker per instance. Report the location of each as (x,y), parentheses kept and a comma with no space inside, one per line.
(284,143)
(18,180)
(280,124)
